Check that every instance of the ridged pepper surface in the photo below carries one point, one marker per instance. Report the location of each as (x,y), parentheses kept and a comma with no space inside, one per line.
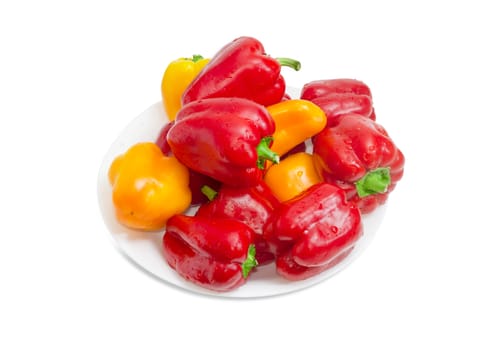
(226,139)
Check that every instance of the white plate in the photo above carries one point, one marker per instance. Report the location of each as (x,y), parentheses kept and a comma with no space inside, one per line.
(145,249)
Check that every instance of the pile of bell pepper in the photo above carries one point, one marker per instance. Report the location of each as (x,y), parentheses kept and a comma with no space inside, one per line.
(272,179)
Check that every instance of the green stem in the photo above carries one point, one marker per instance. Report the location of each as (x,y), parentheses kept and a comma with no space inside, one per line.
(265,153)
(375,181)
(289,62)
(196,58)
(250,262)
(209,192)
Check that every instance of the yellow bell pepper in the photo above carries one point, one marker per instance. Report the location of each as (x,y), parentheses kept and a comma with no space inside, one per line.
(148,187)
(296,121)
(177,76)
(292,176)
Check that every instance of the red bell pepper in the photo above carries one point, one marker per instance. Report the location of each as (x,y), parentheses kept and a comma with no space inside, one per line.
(288,268)
(226,139)
(161,140)
(335,105)
(337,97)
(196,180)
(254,206)
(217,254)
(359,156)
(318,88)
(317,228)
(241,69)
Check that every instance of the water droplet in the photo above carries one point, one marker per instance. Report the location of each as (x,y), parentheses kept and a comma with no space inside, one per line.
(334,229)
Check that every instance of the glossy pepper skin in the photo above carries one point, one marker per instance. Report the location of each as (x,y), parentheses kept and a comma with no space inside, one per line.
(241,69)
(196,180)
(148,187)
(335,105)
(161,140)
(254,206)
(295,121)
(319,88)
(216,254)
(226,139)
(337,97)
(318,228)
(177,76)
(359,156)
(293,175)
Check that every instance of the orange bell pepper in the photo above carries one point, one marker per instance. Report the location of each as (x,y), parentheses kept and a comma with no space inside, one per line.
(148,187)
(292,176)
(177,76)
(296,121)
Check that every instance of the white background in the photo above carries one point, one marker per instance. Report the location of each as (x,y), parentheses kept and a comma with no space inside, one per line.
(73,74)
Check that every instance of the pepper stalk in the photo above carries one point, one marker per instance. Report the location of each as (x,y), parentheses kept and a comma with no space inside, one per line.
(250,262)
(209,192)
(289,62)
(375,181)
(265,153)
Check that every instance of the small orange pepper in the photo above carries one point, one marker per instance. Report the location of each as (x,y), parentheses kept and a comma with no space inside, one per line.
(177,76)
(148,187)
(292,176)
(296,121)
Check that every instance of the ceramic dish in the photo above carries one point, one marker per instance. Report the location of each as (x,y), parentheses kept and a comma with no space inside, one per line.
(145,249)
